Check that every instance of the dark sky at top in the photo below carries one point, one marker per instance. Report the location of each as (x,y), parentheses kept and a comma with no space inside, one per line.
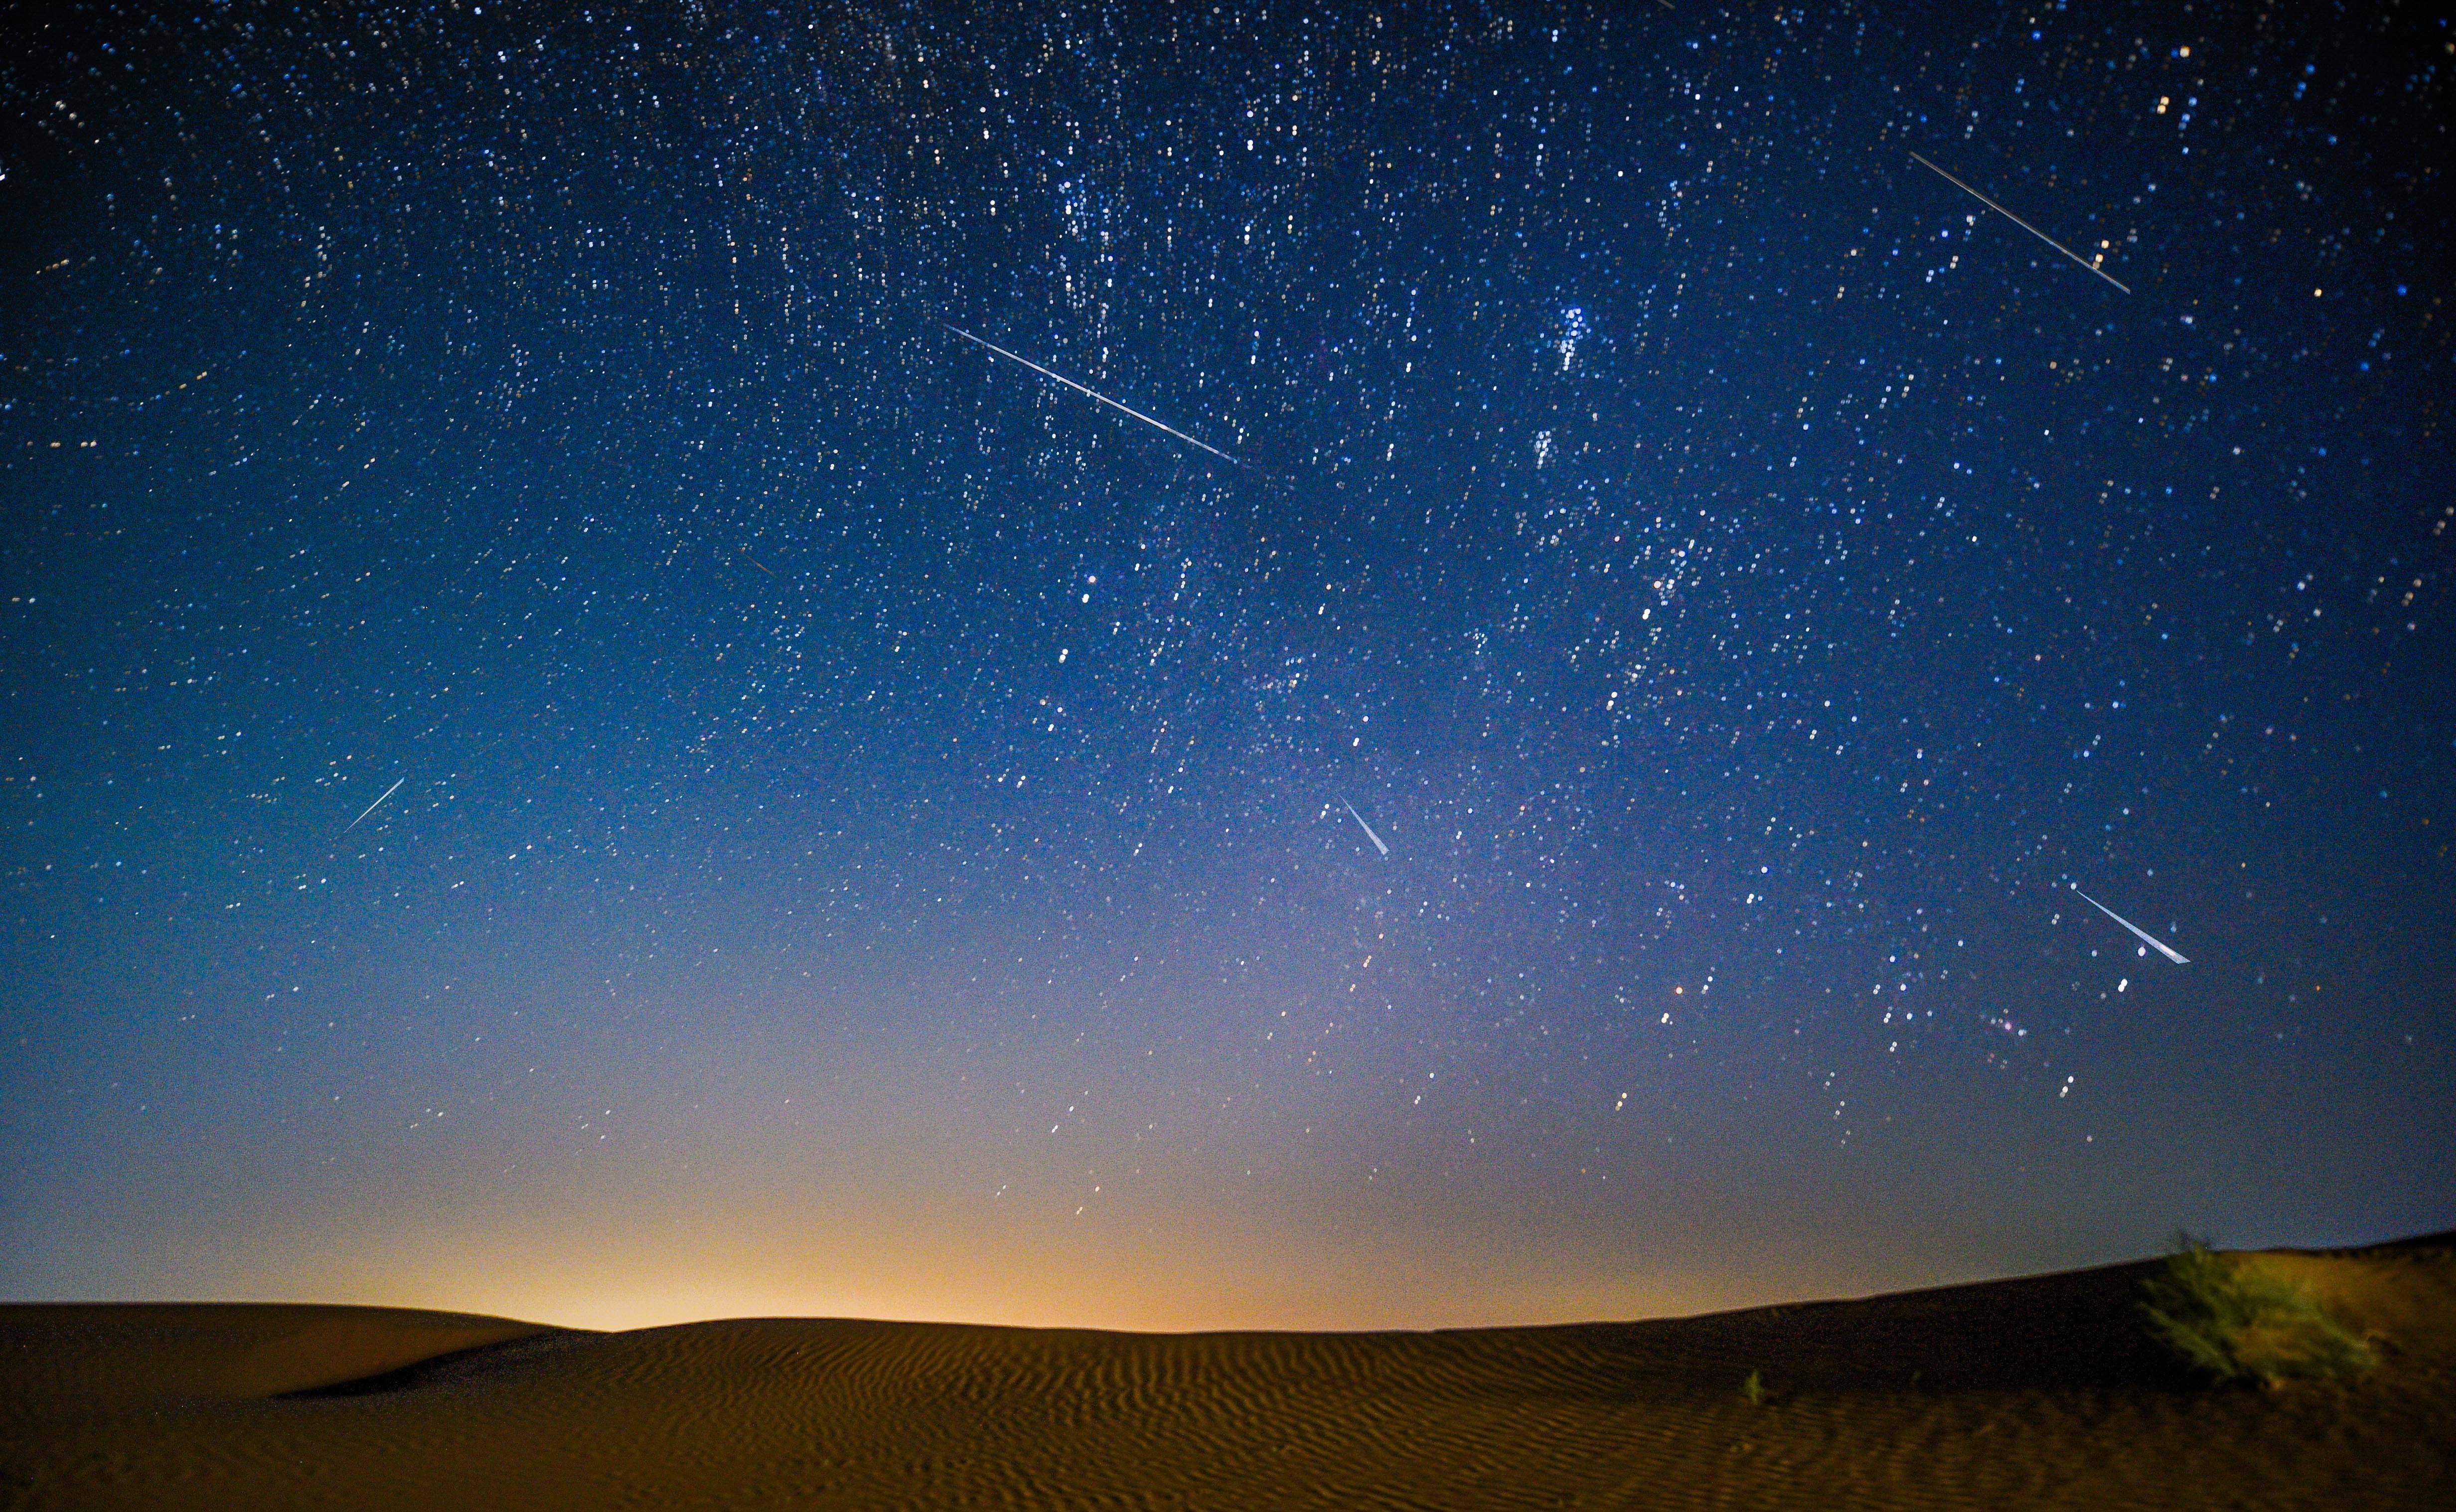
(867,826)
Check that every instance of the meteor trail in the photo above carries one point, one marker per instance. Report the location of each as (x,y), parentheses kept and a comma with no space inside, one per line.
(1102,398)
(373,807)
(2156,944)
(2025,226)
(1377,839)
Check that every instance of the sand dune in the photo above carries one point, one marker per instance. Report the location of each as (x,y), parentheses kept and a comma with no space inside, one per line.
(2037,1391)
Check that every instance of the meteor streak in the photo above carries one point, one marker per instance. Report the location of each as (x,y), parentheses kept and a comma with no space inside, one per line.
(1102,398)
(2156,944)
(1377,839)
(2025,226)
(373,807)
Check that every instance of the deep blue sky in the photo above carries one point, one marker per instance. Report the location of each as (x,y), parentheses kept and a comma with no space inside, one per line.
(871,833)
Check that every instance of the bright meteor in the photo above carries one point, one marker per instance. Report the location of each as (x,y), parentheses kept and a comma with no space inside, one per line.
(1362,824)
(1095,393)
(373,807)
(2024,225)
(2156,944)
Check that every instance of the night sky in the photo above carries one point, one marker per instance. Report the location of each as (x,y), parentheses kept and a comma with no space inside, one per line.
(571,750)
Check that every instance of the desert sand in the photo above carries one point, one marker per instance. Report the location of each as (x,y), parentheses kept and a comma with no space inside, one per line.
(2041,1392)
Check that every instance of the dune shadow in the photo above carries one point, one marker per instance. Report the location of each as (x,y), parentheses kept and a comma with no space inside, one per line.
(430,1371)
(2079,1329)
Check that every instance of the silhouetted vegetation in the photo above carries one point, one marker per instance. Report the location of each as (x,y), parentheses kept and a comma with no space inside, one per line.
(2238,1318)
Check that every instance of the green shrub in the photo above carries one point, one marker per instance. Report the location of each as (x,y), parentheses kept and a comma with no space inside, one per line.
(2238,1318)
(1753,1389)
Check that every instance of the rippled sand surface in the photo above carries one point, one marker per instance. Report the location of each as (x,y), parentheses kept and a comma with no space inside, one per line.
(2033,1393)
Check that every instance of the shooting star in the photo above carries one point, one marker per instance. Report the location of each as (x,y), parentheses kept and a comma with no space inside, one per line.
(378,803)
(1102,398)
(2156,944)
(1368,829)
(2023,224)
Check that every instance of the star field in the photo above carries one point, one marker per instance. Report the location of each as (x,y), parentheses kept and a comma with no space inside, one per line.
(872,829)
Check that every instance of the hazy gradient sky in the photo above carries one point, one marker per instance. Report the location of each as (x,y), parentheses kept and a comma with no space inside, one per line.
(868,825)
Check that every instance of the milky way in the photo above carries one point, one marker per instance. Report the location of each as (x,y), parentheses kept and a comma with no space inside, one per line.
(872,826)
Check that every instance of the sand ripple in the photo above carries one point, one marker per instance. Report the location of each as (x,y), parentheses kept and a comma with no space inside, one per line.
(2031,1393)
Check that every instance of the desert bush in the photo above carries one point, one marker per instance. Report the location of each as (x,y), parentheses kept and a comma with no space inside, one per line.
(2239,1318)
